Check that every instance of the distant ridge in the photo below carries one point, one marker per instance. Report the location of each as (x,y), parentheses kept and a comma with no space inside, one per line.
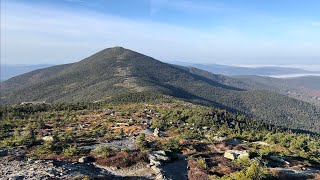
(10,70)
(117,72)
(306,88)
(238,70)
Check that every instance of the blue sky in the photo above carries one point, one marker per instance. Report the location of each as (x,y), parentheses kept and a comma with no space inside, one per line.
(199,31)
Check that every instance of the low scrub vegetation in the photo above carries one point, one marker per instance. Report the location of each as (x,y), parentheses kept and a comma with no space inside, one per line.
(68,132)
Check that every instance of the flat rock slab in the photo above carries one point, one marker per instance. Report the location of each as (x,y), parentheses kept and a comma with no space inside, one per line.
(41,169)
(124,143)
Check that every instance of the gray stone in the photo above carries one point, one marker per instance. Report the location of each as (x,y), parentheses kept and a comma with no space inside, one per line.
(158,157)
(49,139)
(156,132)
(156,169)
(16,178)
(278,159)
(235,154)
(85,159)
(161,155)
(233,142)
(38,161)
(17,152)
(53,173)
(3,152)
(154,162)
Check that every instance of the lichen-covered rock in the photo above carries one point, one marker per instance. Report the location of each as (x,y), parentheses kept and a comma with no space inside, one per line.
(49,139)
(235,154)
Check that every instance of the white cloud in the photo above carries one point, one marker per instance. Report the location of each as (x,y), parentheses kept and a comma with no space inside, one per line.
(45,35)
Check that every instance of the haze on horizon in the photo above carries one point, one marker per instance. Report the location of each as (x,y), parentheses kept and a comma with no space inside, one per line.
(222,32)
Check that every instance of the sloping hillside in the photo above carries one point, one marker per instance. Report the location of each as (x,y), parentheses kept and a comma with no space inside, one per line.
(119,72)
(305,88)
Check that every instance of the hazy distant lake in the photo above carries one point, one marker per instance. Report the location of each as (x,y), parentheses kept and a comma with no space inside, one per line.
(293,75)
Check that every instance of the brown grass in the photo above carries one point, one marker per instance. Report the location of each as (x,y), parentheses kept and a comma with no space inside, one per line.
(123,159)
(196,171)
(221,166)
(62,158)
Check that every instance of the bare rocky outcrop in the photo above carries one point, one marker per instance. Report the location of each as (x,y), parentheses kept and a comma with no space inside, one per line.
(48,169)
(158,158)
(166,168)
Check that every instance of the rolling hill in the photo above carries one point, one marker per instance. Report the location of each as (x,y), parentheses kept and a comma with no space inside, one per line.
(119,72)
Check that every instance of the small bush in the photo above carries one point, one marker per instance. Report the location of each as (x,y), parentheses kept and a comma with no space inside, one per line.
(102,151)
(71,151)
(171,145)
(43,150)
(252,171)
(142,143)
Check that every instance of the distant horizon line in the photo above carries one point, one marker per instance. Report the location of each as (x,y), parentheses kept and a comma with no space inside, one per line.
(205,63)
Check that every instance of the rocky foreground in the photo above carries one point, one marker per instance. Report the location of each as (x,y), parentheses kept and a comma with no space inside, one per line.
(41,169)
(160,168)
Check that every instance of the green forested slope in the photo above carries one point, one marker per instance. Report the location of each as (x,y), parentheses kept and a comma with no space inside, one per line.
(117,72)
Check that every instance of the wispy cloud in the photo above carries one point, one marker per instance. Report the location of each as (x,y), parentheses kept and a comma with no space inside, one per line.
(75,35)
(45,35)
(187,6)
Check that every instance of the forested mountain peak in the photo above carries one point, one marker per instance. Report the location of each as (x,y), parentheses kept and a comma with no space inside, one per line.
(114,54)
(121,74)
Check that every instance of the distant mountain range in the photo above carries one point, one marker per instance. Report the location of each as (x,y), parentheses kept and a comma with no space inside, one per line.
(306,88)
(9,71)
(119,73)
(236,70)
